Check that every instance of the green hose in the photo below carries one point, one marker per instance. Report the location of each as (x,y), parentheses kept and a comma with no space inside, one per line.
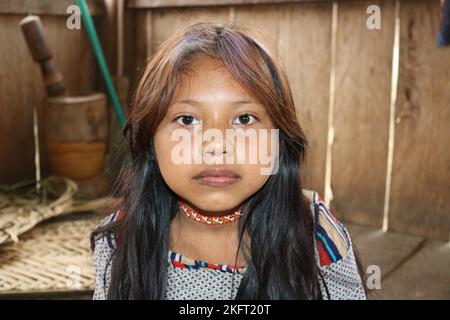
(92,34)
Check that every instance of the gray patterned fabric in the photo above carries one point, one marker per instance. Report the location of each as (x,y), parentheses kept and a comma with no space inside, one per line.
(340,279)
(201,284)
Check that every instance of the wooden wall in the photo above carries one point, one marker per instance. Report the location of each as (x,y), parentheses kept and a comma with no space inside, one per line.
(420,201)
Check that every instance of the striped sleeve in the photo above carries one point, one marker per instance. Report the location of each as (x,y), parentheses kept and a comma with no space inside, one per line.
(332,238)
(334,254)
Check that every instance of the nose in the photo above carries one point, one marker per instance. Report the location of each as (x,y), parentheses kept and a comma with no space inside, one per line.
(216,143)
(217,148)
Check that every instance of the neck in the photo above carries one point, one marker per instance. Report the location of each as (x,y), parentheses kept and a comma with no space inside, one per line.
(208,242)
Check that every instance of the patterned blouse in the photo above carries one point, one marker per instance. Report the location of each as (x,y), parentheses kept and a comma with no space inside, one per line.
(194,279)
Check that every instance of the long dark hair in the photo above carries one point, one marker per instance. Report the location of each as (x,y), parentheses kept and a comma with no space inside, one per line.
(278,218)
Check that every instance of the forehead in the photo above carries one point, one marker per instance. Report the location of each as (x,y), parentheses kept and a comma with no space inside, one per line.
(206,76)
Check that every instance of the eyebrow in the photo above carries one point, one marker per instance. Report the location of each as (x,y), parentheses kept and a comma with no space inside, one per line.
(197,103)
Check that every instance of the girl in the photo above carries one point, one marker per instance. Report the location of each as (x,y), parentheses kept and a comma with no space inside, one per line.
(222,230)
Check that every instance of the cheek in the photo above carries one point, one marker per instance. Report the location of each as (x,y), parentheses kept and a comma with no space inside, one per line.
(260,160)
(253,178)
(176,175)
(260,150)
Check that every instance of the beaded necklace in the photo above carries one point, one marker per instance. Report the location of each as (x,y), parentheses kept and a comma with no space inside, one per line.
(194,215)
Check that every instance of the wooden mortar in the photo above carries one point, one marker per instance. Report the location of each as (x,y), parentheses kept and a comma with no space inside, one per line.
(76,130)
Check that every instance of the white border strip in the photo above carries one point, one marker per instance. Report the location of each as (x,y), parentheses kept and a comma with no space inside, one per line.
(392,108)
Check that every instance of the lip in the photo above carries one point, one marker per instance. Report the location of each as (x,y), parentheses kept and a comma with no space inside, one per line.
(217,178)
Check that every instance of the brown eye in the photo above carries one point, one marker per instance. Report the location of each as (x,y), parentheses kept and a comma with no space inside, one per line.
(244,119)
(187,120)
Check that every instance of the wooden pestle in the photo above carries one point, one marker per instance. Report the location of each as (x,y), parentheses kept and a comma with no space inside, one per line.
(34,34)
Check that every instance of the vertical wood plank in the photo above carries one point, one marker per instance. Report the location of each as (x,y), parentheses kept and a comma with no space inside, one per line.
(304,41)
(361,115)
(16,99)
(144,33)
(420,202)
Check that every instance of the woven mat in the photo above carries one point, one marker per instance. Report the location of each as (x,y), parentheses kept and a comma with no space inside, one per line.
(23,206)
(53,257)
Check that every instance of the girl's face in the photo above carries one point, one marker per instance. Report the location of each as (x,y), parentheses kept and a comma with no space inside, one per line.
(197,159)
